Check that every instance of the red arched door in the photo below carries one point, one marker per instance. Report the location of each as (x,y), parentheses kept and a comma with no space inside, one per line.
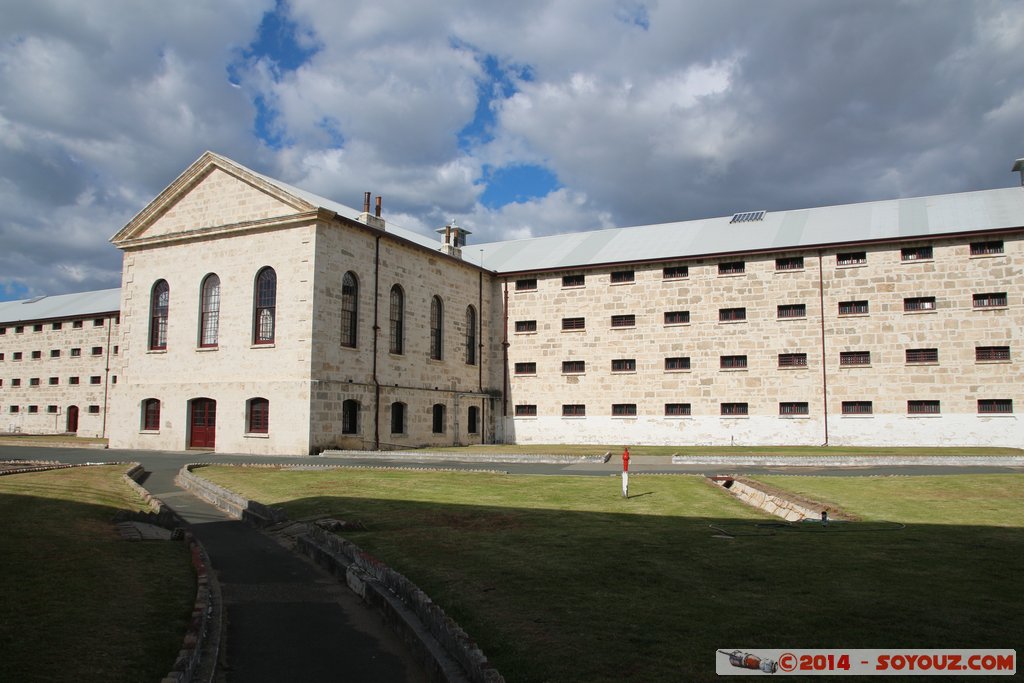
(202,422)
(73,419)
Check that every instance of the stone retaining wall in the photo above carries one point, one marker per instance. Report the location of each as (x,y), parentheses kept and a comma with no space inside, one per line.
(773,502)
(470,456)
(227,501)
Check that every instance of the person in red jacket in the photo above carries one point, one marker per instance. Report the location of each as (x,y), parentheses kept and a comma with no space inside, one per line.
(625,473)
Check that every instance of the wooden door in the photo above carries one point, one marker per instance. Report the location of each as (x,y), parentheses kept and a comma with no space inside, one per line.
(203,423)
(73,419)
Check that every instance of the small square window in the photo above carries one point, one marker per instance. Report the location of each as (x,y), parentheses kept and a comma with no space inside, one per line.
(33,409)
(36,355)
(624,365)
(793,408)
(526,368)
(3,330)
(792,360)
(991,300)
(624,320)
(16,355)
(732,362)
(923,253)
(677,363)
(574,323)
(37,328)
(620,277)
(991,353)
(95,379)
(988,248)
(732,268)
(852,258)
(853,308)
(677,317)
(922,407)
(526,410)
(33,382)
(94,410)
(75,353)
(914,304)
(732,314)
(790,263)
(526,326)
(526,284)
(13,409)
(72,380)
(56,326)
(734,409)
(922,355)
(19,329)
(855,358)
(574,410)
(857,408)
(623,410)
(97,350)
(577,280)
(97,322)
(51,409)
(574,367)
(54,381)
(77,324)
(677,409)
(16,382)
(54,353)
(675,272)
(792,311)
(995,406)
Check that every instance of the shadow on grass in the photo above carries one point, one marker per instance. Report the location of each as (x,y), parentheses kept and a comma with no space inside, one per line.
(600,596)
(82,604)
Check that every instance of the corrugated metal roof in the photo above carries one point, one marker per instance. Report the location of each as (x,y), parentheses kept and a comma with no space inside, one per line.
(61,306)
(918,217)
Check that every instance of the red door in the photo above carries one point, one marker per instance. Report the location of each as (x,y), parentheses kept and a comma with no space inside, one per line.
(203,421)
(73,419)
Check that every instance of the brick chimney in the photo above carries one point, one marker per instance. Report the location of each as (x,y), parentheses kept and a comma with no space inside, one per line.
(453,238)
(373,220)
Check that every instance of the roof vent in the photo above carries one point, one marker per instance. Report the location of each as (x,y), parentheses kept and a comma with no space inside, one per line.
(454,239)
(747,217)
(1018,166)
(34,299)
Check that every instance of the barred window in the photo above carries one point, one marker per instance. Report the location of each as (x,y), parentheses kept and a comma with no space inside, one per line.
(677,409)
(470,335)
(54,381)
(792,360)
(209,311)
(990,353)
(990,300)
(436,328)
(790,263)
(732,314)
(853,308)
(265,306)
(259,416)
(574,323)
(732,362)
(526,368)
(855,358)
(159,305)
(677,363)
(151,414)
(677,317)
(732,268)
(987,248)
(398,417)
(919,303)
(574,410)
(792,311)
(619,277)
(349,309)
(922,253)
(922,407)
(624,320)
(526,410)
(857,408)
(350,416)
(852,258)
(396,321)
(574,366)
(793,408)
(922,355)
(734,409)
(997,406)
(623,410)
(623,365)
(526,326)
(526,284)
(577,280)
(675,272)
(36,355)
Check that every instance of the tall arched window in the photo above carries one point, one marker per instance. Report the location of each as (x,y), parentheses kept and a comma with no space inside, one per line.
(397,344)
(151,415)
(398,418)
(350,417)
(436,327)
(259,416)
(470,335)
(438,426)
(159,305)
(265,309)
(473,420)
(349,308)
(209,311)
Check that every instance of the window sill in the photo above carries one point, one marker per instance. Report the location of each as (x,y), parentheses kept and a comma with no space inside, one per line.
(991,362)
(911,364)
(924,312)
(910,262)
(256,435)
(683,370)
(524,417)
(435,361)
(576,330)
(674,279)
(734,417)
(149,431)
(844,266)
(679,417)
(854,315)
(916,416)
(789,270)
(794,417)
(527,334)
(677,324)
(622,327)
(733,369)
(731,322)
(983,256)
(574,286)
(523,374)
(989,308)
(574,417)
(854,367)
(624,417)
(206,349)
(623,372)
(1001,415)
(856,417)
(262,346)
(619,284)
(155,352)
(792,367)
(791,317)
(573,374)
(730,274)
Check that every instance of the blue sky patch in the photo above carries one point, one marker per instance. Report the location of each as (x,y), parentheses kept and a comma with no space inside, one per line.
(497,83)
(518,183)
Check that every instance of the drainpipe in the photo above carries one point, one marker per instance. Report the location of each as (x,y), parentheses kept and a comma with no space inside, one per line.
(376,334)
(504,359)
(824,374)
(106,378)
(480,334)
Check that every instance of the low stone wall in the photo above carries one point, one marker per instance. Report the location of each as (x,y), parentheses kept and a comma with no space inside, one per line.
(788,507)
(469,456)
(227,501)
(852,460)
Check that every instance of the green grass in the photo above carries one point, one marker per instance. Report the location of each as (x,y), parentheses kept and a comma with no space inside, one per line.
(560,579)
(815,451)
(78,602)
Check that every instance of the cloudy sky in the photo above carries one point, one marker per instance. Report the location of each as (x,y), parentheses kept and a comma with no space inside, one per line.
(515,118)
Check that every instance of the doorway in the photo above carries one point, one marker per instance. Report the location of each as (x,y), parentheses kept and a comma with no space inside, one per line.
(202,422)
(72,419)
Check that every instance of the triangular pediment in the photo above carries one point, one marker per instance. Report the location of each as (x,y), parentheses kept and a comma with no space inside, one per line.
(213,192)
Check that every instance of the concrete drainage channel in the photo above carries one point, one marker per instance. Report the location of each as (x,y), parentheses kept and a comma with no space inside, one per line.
(774,502)
(445,650)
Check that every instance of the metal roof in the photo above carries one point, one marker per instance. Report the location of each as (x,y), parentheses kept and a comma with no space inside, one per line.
(61,306)
(895,219)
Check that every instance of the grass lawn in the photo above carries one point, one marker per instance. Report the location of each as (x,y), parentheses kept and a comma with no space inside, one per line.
(78,602)
(560,579)
(815,451)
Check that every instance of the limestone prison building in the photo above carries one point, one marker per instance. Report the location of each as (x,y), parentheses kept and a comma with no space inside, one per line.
(255,317)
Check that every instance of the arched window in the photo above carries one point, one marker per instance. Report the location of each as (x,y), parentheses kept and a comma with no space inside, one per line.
(151,415)
(398,418)
(349,308)
(397,320)
(439,418)
(436,327)
(159,305)
(470,335)
(265,309)
(473,420)
(258,419)
(350,417)
(209,311)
